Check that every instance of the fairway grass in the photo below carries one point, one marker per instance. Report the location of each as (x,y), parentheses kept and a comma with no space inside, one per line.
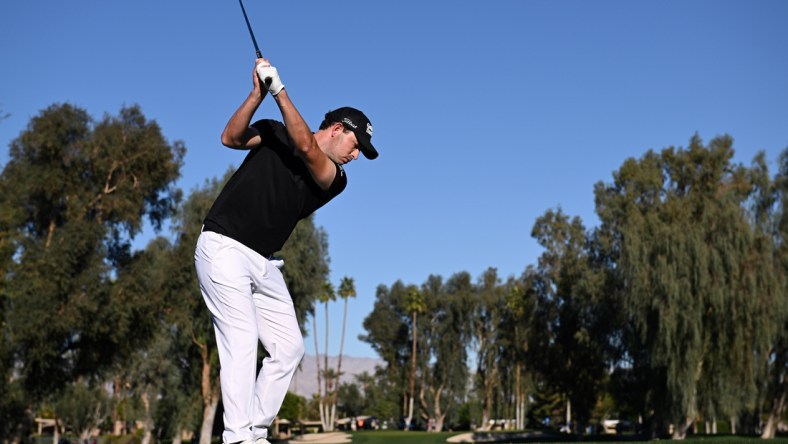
(400,437)
(394,437)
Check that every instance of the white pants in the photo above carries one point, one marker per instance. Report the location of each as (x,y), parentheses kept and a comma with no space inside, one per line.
(248,300)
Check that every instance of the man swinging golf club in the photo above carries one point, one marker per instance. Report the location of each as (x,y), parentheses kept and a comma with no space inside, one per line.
(288,173)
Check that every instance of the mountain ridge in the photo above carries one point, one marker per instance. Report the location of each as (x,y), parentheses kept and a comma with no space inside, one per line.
(304,381)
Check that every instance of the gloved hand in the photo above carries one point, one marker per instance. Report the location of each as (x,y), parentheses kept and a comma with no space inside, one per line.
(269,77)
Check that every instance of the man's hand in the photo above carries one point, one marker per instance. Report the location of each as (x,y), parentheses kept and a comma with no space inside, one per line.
(269,76)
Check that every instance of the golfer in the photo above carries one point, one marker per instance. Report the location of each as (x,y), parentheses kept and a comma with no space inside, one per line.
(288,173)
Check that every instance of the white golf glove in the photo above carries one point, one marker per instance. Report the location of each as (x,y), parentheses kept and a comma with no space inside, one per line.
(266,72)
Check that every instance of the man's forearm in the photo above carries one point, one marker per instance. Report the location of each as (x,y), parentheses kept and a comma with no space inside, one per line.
(234,134)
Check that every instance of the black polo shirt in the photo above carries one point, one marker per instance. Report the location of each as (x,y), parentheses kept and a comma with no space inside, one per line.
(271,191)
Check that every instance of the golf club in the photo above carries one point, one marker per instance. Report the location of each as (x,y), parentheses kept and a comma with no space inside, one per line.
(267,80)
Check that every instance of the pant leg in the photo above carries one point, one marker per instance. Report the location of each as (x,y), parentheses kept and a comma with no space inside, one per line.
(281,337)
(224,270)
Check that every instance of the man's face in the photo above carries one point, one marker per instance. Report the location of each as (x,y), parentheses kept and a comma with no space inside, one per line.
(344,145)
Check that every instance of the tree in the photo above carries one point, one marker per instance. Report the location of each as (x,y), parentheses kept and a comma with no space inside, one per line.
(414,305)
(388,333)
(519,312)
(347,289)
(75,193)
(682,242)
(574,326)
(186,310)
(486,327)
(771,212)
(82,408)
(306,257)
(381,394)
(444,351)
(323,385)
(293,407)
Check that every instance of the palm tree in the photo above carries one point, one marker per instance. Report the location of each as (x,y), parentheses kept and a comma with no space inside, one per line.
(325,297)
(347,289)
(415,305)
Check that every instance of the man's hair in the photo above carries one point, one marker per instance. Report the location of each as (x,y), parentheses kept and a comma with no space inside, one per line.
(327,123)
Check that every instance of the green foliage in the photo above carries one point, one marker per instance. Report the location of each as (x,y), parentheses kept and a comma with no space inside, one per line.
(387,326)
(306,266)
(691,277)
(572,331)
(293,407)
(350,401)
(74,193)
(82,408)
(347,288)
(380,395)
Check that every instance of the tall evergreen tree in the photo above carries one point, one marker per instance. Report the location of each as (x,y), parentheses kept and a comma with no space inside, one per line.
(443,356)
(574,334)
(486,326)
(388,333)
(516,337)
(774,208)
(75,193)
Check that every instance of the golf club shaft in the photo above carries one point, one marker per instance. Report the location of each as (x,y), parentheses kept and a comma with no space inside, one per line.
(251,33)
(267,80)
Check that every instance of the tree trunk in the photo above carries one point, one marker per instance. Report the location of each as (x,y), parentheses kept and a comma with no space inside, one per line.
(327,426)
(778,407)
(339,367)
(404,402)
(412,374)
(733,425)
(211,391)
(148,420)
(332,417)
(489,386)
(118,424)
(178,438)
(680,430)
(208,414)
(410,414)
(320,408)
(485,425)
(440,415)
(56,434)
(518,394)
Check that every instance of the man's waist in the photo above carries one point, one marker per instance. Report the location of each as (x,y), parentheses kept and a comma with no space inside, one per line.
(209,225)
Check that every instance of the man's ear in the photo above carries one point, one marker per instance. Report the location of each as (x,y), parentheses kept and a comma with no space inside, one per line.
(337,128)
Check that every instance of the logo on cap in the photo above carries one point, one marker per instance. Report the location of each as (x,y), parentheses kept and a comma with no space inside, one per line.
(369,129)
(350,122)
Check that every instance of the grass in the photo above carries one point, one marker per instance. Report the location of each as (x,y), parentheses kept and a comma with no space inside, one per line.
(394,437)
(400,437)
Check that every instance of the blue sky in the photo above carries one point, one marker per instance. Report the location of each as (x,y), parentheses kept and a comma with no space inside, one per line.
(486,114)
